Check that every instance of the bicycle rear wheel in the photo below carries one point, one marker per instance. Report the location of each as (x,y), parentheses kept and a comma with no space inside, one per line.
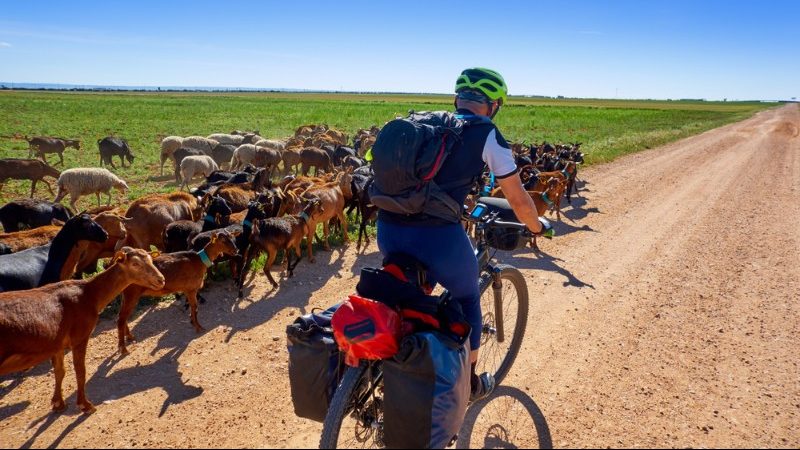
(505,318)
(355,416)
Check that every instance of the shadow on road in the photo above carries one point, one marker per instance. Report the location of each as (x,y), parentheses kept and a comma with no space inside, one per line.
(545,262)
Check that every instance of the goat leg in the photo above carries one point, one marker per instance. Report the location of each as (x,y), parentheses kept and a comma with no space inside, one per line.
(49,188)
(270,261)
(247,260)
(192,297)
(299,253)
(129,301)
(33,187)
(79,361)
(326,233)
(343,224)
(58,367)
(309,243)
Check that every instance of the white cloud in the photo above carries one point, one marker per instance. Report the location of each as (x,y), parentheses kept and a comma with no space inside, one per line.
(5,45)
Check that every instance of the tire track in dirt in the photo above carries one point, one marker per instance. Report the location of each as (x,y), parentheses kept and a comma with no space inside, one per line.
(624,347)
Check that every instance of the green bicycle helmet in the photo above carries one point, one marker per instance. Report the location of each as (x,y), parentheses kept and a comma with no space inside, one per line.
(487,81)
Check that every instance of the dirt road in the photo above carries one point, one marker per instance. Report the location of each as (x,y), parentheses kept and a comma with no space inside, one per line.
(666,313)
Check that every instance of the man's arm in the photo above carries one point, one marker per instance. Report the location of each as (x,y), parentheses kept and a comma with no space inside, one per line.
(521,202)
(497,154)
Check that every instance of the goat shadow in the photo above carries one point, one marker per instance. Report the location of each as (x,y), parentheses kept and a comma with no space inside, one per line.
(308,278)
(505,420)
(47,420)
(18,378)
(223,309)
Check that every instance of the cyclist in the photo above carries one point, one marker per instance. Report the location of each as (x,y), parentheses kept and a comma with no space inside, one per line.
(443,247)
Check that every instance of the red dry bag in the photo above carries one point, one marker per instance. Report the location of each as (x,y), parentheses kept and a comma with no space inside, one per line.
(366,329)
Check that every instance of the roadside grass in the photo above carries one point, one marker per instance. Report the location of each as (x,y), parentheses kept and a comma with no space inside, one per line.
(608,128)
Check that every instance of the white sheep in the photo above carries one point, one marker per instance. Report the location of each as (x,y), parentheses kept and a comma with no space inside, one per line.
(243,155)
(79,182)
(196,165)
(168,146)
(205,145)
(229,139)
(276,144)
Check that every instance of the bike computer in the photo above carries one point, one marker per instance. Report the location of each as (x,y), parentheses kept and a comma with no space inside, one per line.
(478,212)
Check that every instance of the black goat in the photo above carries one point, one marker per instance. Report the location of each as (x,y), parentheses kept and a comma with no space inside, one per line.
(43,265)
(113,146)
(341,153)
(366,210)
(178,235)
(5,250)
(265,206)
(31,213)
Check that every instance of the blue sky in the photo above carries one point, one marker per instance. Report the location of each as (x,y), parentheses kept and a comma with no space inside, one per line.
(626,49)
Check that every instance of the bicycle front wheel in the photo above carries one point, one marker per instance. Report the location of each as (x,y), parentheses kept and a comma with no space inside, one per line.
(355,416)
(504,302)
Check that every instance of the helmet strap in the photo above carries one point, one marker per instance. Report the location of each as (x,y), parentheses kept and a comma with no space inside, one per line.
(496,109)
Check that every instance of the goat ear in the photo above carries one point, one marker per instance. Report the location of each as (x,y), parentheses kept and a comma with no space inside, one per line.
(120,257)
(214,238)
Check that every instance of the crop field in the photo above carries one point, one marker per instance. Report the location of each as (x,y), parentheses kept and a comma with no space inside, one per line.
(608,128)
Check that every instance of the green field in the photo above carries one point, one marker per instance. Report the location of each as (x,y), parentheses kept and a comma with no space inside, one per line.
(608,128)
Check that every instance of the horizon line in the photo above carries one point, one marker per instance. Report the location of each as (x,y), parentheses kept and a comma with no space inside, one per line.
(34,86)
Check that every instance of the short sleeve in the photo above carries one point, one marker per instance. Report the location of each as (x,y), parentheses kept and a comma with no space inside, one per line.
(498,156)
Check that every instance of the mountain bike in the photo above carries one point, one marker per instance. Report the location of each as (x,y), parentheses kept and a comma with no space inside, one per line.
(355,415)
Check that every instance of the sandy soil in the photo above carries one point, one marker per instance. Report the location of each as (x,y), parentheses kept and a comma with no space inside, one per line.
(665,314)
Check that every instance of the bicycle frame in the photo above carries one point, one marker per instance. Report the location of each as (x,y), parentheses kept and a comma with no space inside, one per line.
(489,274)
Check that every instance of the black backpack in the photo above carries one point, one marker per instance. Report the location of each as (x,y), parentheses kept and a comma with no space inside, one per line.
(407,156)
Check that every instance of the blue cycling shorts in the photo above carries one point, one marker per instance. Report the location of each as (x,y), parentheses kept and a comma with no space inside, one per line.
(448,254)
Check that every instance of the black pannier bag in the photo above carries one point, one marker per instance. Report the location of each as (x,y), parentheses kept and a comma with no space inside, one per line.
(426,391)
(315,364)
(503,238)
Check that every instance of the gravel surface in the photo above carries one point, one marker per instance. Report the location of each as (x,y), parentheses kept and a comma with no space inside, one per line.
(665,314)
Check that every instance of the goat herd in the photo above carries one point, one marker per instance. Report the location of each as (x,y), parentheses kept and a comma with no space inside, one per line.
(46,304)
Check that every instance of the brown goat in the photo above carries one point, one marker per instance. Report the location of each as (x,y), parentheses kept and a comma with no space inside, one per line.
(239,196)
(40,146)
(542,200)
(27,169)
(333,197)
(91,252)
(315,157)
(149,216)
(268,158)
(280,233)
(554,198)
(184,272)
(23,240)
(337,136)
(291,160)
(40,324)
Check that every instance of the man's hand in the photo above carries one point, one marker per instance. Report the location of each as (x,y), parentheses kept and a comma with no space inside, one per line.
(547,229)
